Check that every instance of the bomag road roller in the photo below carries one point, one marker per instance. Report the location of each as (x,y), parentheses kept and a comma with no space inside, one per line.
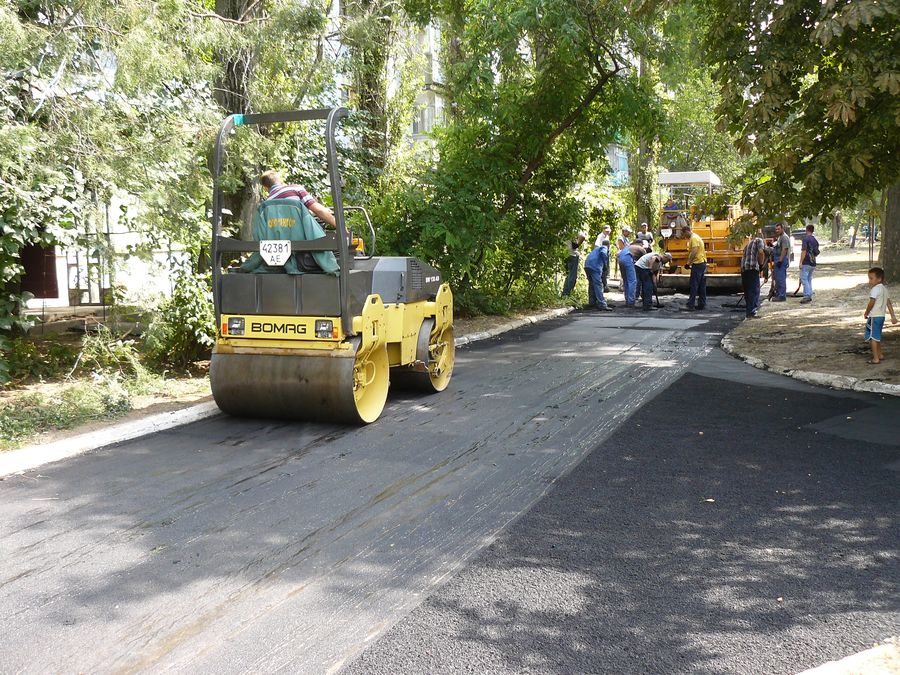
(309,329)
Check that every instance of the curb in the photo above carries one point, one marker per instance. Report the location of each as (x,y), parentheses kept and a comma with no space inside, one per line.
(882,659)
(512,325)
(842,382)
(33,456)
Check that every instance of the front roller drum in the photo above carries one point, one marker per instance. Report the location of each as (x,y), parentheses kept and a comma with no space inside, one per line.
(336,386)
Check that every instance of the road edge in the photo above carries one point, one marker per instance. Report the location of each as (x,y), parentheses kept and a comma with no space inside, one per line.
(882,659)
(33,456)
(842,382)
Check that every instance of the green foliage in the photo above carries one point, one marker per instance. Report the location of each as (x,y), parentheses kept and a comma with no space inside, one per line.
(33,360)
(816,97)
(714,205)
(109,354)
(101,397)
(605,206)
(184,329)
(98,97)
(534,99)
(689,134)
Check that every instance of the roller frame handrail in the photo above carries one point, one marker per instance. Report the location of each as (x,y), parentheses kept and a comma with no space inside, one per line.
(331,116)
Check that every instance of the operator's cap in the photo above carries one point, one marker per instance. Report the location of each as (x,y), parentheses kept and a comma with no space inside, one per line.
(667,256)
(626,228)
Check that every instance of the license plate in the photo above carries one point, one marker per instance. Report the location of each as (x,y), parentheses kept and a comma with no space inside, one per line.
(274,251)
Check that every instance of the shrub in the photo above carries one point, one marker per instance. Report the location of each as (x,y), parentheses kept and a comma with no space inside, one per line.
(184,328)
(105,353)
(28,359)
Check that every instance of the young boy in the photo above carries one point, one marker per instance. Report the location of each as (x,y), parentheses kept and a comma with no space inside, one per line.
(879,301)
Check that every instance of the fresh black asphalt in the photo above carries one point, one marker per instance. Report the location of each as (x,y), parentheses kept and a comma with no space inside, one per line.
(240,545)
(719,530)
(250,545)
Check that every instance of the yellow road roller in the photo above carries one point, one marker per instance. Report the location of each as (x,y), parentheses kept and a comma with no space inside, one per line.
(302,338)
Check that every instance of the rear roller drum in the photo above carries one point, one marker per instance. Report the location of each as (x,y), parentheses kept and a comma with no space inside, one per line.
(371,382)
(435,355)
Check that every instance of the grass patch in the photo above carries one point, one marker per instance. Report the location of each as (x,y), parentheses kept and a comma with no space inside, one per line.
(100,398)
(67,382)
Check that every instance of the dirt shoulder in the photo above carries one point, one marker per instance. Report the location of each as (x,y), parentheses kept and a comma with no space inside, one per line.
(826,335)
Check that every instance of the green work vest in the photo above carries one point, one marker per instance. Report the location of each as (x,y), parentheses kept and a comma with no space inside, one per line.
(289,219)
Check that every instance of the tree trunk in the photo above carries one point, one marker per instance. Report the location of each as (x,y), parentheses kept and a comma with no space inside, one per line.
(836,225)
(453,26)
(644,185)
(233,94)
(890,234)
(368,67)
(644,179)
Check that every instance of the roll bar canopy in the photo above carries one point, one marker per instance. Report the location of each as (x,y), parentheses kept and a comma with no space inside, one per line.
(341,246)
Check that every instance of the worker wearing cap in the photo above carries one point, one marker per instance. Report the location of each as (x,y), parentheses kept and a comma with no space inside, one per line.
(696,263)
(626,266)
(648,269)
(604,236)
(594,264)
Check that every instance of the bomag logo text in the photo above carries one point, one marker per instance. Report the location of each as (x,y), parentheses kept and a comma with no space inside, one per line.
(273,328)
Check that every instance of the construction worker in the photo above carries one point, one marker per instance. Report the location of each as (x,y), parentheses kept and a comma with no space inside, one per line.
(626,272)
(597,261)
(574,247)
(696,263)
(605,235)
(781,260)
(648,269)
(645,238)
(753,261)
(274,185)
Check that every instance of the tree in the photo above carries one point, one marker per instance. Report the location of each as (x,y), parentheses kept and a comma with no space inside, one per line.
(812,87)
(96,97)
(690,139)
(537,90)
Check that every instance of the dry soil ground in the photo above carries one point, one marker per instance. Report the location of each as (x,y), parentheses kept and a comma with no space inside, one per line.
(826,335)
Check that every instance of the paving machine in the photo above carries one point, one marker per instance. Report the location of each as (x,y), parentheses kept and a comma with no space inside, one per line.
(299,342)
(723,254)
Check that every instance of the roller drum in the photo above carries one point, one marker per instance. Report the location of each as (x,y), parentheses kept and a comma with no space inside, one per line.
(300,387)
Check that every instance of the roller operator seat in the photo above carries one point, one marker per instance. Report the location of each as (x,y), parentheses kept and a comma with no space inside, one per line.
(289,219)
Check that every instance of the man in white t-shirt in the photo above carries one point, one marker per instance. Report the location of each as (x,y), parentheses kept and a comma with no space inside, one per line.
(648,268)
(879,305)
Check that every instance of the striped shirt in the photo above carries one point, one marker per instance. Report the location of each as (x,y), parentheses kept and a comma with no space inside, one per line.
(750,258)
(292,192)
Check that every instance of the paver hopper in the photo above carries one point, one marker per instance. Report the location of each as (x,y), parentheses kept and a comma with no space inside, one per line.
(298,341)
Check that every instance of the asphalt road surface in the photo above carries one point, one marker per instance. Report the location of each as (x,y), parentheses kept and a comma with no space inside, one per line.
(257,546)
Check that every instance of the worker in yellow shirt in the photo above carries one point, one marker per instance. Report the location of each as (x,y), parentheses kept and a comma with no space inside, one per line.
(696,263)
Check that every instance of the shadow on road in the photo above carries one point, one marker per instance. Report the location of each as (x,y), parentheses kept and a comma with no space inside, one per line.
(714,532)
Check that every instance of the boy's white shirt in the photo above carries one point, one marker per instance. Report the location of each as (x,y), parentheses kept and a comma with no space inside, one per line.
(879,293)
